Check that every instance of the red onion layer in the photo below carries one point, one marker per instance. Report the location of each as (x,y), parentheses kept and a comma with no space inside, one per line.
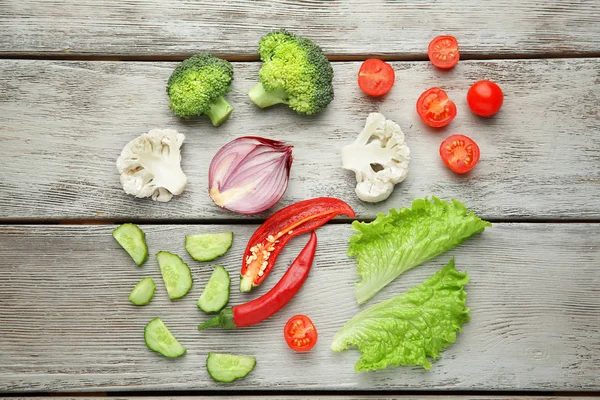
(250,174)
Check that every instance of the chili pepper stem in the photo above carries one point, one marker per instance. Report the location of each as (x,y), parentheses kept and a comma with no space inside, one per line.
(224,320)
(216,321)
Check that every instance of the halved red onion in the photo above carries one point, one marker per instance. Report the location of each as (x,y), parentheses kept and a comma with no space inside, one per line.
(249,174)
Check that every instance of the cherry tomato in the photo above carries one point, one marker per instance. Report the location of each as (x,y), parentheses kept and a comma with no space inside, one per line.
(485,98)
(300,333)
(435,108)
(443,52)
(460,153)
(376,77)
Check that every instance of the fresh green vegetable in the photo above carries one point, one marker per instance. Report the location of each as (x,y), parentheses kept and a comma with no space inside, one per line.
(294,72)
(176,274)
(268,304)
(405,238)
(143,292)
(410,327)
(216,293)
(133,240)
(158,338)
(229,367)
(207,247)
(197,87)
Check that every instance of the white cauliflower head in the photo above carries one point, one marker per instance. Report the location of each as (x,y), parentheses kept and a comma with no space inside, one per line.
(379,157)
(150,165)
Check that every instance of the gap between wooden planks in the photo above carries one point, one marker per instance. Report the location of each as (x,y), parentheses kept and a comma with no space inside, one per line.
(311,396)
(255,58)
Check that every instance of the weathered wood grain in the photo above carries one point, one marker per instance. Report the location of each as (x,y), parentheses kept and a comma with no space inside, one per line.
(66,324)
(63,125)
(393,28)
(311,397)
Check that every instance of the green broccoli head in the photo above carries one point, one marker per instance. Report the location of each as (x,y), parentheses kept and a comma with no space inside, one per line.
(295,72)
(197,87)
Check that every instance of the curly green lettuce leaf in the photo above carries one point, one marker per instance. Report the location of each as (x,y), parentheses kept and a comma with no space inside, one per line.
(409,328)
(394,243)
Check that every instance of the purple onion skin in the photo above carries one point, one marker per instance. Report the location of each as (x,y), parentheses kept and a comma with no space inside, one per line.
(250,174)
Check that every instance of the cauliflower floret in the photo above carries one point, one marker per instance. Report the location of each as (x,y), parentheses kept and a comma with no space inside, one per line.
(150,165)
(379,157)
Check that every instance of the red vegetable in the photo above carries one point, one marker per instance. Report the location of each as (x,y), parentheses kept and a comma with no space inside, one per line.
(268,304)
(460,153)
(443,52)
(376,77)
(435,108)
(485,98)
(268,240)
(300,333)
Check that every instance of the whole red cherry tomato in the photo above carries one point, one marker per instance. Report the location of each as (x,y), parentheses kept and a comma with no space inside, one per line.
(485,98)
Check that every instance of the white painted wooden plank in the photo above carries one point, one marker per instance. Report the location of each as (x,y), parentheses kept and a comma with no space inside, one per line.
(152,28)
(63,125)
(66,324)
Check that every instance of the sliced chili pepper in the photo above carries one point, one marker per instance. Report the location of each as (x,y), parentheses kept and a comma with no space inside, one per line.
(269,303)
(268,240)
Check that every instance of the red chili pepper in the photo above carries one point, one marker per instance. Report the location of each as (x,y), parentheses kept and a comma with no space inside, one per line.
(268,240)
(269,303)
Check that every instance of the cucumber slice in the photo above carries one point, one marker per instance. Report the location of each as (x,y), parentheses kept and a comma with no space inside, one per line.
(175,273)
(229,367)
(158,338)
(133,240)
(207,247)
(216,293)
(143,292)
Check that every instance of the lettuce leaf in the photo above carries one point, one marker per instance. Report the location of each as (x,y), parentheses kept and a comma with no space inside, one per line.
(410,327)
(394,243)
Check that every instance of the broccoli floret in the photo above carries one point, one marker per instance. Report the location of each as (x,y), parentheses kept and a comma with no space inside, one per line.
(294,72)
(197,87)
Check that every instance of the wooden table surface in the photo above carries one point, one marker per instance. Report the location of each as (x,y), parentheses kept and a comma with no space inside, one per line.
(79,79)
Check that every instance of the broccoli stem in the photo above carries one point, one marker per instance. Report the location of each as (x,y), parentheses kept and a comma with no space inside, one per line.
(263,99)
(219,111)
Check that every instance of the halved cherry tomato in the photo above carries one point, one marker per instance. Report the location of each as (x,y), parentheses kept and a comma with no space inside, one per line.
(376,77)
(443,52)
(300,333)
(460,153)
(485,98)
(435,108)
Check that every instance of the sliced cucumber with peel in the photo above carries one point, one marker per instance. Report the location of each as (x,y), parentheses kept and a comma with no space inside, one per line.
(208,246)
(133,240)
(158,338)
(176,274)
(143,292)
(216,293)
(229,367)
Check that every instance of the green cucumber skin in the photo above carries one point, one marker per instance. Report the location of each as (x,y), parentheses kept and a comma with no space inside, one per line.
(227,376)
(182,268)
(146,284)
(148,330)
(214,307)
(120,235)
(219,238)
